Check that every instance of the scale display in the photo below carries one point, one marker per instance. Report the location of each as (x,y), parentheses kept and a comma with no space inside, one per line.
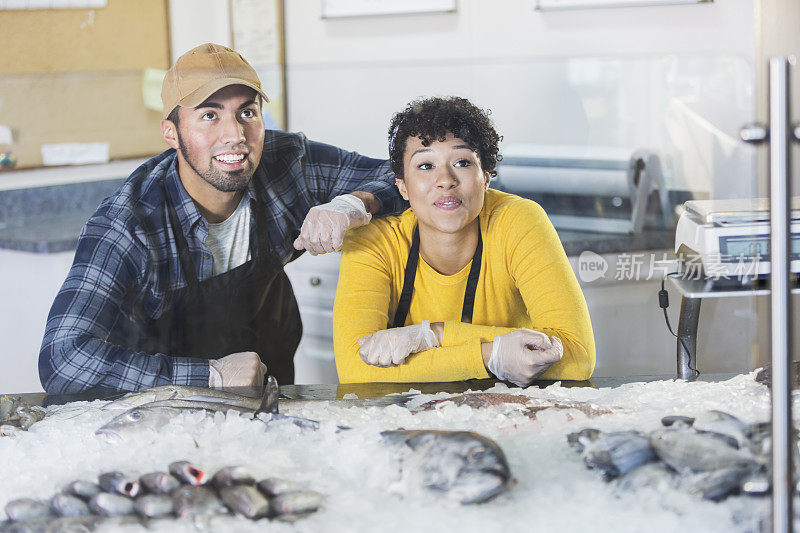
(752,247)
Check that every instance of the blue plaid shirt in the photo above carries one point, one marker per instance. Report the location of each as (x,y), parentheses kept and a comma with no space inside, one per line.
(126,264)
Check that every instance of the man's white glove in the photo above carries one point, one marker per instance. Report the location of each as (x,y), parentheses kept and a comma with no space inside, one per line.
(522,355)
(324,226)
(390,346)
(243,369)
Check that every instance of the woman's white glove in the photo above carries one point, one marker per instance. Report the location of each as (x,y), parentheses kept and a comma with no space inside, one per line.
(390,346)
(242,369)
(522,355)
(324,226)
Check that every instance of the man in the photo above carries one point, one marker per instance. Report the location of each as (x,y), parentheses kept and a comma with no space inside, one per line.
(178,276)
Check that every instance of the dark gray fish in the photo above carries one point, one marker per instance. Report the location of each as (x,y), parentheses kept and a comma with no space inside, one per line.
(458,465)
(580,439)
(109,504)
(188,473)
(276,486)
(159,482)
(193,501)
(720,484)
(618,453)
(154,505)
(85,490)
(118,483)
(245,500)
(25,509)
(232,475)
(687,450)
(68,505)
(296,503)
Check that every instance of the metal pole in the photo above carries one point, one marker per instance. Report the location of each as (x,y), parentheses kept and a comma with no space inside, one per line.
(779,283)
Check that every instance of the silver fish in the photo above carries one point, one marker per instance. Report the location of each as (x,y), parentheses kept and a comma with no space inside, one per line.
(245,500)
(108,504)
(35,525)
(458,465)
(192,501)
(687,450)
(720,484)
(276,486)
(85,490)
(722,423)
(232,475)
(188,473)
(119,483)
(159,482)
(296,503)
(25,509)
(68,505)
(154,505)
(618,453)
(655,476)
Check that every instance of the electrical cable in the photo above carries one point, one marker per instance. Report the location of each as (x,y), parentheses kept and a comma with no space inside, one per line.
(663,303)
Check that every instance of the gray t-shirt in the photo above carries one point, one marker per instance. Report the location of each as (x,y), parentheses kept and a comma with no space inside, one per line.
(229,240)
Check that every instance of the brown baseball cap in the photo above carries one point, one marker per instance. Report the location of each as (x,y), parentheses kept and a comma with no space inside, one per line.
(201,72)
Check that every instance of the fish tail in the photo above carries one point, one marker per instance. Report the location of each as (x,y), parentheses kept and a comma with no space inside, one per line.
(269,398)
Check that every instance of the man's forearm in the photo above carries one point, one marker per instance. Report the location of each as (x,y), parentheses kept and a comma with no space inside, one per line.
(371,203)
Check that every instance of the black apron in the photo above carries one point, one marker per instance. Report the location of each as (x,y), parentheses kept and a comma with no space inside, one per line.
(411,273)
(250,308)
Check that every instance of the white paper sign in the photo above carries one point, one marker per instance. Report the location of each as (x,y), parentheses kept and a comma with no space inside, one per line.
(75,153)
(6,137)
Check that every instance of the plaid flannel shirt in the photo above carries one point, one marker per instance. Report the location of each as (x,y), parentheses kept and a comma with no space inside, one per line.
(126,262)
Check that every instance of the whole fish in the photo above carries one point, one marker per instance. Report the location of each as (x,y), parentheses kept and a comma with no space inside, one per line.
(687,450)
(479,400)
(201,394)
(84,490)
(74,524)
(720,484)
(25,509)
(188,473)
(154,505)
(458,465)
(618,453)
(108,504)
(581,439)
(159,482)
(119,483)
(68,505)
(295,503)
(192,501)
(245,500)
(232,475)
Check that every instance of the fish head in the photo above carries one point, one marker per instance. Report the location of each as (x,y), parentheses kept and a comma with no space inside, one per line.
(136,420)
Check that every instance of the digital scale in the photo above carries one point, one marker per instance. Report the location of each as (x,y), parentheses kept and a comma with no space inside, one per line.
(730,238)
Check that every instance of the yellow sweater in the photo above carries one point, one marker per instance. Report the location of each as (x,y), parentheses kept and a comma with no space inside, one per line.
(525,282)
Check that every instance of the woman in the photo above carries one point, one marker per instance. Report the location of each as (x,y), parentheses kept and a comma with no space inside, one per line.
(469,281)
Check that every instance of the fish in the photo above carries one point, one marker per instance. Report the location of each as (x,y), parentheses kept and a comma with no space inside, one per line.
(206,395)
(722,423)
(74,524)
(617,453)
(14,413)
(8,404)
(653,475)
(188,473)
(35,525)
(159,482)
(25,509)
(84,490)
(154,505)
(118,483)
(687,451)
(461,466)
(245,500)
(276,486)
(720,484)
(530,406)
(295,503)
(232,475)
(580,439)
(68,505)
(108,504)
(192,501)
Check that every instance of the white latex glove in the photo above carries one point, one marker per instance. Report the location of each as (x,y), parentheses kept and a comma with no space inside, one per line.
(522,355)
(390,346)
(324,226)
(243,369)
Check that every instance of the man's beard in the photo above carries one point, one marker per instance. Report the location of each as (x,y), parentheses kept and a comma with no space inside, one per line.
(233,181)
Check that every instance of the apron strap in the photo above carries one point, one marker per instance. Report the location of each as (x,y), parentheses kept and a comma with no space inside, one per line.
(410,274)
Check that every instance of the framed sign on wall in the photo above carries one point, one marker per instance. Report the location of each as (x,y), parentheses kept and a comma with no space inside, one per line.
(365,8)
(553,5)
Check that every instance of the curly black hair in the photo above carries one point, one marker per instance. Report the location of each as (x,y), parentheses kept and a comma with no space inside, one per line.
(431,119)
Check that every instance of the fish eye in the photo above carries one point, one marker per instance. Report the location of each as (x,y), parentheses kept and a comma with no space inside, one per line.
(477,453)
(135,415)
